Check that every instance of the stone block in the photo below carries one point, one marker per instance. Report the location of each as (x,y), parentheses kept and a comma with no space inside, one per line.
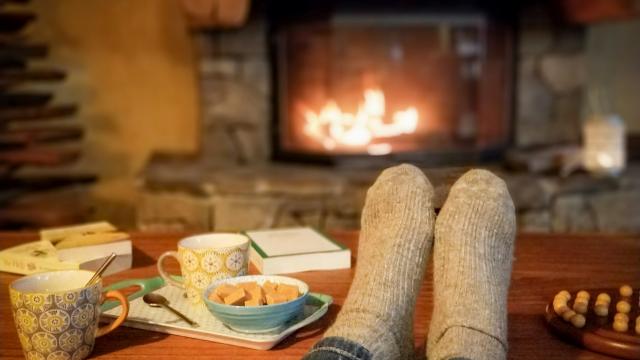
(250,39)
(235,100)
(535,39)
(244,212)
(301,212)
(567,110)
(563,73)
(218,67)
(572,213)
(535,106)
(255,71)
(617,212)
(530,191)
(173,211)
(534,221)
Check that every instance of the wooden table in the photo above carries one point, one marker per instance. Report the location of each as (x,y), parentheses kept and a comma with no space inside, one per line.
(543,265)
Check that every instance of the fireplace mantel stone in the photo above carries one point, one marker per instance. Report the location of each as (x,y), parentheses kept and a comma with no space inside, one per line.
(185,196)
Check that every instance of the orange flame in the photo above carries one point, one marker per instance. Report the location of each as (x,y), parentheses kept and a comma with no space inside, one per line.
(332,127)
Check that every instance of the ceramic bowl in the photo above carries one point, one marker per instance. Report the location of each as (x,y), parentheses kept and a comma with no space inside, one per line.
(257,319)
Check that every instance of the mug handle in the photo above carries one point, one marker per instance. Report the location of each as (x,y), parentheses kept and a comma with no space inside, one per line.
(168,278)
(116,295)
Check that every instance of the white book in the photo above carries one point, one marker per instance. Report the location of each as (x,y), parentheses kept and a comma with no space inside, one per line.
(92,256)
(282,251)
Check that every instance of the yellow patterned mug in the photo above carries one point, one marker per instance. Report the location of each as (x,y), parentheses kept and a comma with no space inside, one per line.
(56,315)
(206,258)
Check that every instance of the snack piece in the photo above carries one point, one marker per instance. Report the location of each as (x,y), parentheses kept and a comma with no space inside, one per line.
(269,287)
(638,325)
(626,291)
(289,291)
(256,294)
(252,294)
(578,320)
(275,298)
(248,285)
(237,297)
(254,302)
(623,307)
(215,298)
(225,290)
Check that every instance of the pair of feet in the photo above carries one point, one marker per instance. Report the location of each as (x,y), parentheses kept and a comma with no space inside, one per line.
(472,243)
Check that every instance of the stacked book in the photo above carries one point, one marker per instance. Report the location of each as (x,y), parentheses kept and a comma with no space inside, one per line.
(76,247)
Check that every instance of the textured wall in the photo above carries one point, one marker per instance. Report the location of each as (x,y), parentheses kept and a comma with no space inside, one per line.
(132,71)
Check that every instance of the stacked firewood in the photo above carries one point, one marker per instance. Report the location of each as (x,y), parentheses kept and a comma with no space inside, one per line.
(35,130)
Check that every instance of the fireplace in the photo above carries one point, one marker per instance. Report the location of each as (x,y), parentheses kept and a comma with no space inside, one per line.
(425,85)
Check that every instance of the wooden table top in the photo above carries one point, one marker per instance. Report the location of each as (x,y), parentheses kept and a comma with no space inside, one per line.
(543,265)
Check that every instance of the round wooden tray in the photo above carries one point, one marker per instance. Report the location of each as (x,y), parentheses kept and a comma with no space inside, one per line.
(598,334)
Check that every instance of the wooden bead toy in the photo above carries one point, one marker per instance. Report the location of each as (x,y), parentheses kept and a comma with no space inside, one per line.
(626,291)
(623,307)
(608,323)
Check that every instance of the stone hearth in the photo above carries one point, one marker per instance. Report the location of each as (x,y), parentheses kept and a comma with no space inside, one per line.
(196,198)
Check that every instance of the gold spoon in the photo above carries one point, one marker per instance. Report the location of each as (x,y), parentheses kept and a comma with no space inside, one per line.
(101,269)
(157,300)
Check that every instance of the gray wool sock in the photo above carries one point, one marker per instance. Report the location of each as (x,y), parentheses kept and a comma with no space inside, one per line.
(395,241)
(472,257)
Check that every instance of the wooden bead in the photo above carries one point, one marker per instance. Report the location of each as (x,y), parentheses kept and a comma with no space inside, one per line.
(580,306)
(626,291)
(567,315)
(560,298)
(565,294)
(578,321)
(603,297)
(601,309)
(622,317)
(620,326)
(560,307)
(582,294)
(623,307)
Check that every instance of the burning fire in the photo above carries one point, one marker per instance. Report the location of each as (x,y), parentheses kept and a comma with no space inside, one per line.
(332,127)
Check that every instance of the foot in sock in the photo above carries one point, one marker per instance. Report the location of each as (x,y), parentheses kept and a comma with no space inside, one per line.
(472,256)
(395,241)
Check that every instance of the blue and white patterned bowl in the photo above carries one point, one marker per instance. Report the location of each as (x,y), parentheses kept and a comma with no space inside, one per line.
(257,319)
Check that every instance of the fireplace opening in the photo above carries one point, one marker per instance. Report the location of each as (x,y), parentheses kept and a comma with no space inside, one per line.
(423,86)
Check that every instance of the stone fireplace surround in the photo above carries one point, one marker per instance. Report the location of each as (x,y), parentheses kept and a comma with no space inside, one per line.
(232,184)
